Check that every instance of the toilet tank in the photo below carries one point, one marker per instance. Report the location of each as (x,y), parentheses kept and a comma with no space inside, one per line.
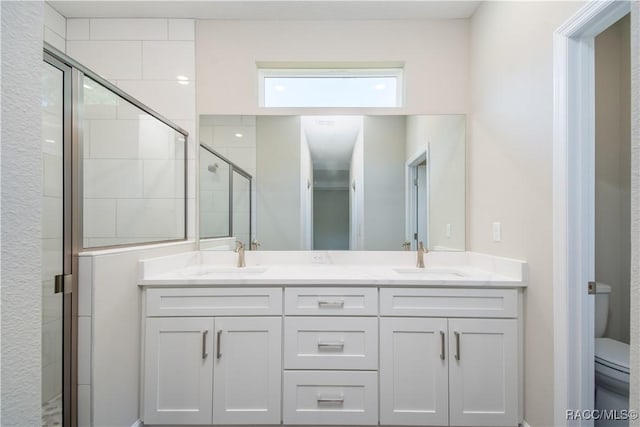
(601,308)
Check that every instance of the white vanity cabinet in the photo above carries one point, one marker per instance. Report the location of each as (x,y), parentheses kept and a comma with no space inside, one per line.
(212,356)
(331,356)
(442,371)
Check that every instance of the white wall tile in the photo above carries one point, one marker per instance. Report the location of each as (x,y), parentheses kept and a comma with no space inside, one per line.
(85,285)
(111,59)
(230,120)
(191,178)
(191,213)
(84,350)
(112,178)
(51,302)
(248,120)
(206,135)
(54,39)
(51,217)
(226,135)
(129,29)
(166,60)
(114,139)
(154,218)
(156,140)
(84,406)
(51,257)
(54,21)
(99,217)
(181,29)
(170,99)
(245,157)
(78,29)
(164,178)
(52,175)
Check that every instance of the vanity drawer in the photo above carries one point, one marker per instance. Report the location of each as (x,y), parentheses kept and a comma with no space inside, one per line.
(330,343)
(338,398)
(214,302)
(441,302)
(331,301)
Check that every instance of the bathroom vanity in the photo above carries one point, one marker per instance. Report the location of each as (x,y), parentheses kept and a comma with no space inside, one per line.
(332,338)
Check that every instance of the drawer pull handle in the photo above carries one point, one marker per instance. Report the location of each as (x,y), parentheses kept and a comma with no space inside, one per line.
(441,345)
(338,345)
(331,304)
(204,344)
(331,400)
(219,344)
(457,355)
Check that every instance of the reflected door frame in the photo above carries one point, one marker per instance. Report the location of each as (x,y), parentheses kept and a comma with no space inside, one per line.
(66,283)
(412,200)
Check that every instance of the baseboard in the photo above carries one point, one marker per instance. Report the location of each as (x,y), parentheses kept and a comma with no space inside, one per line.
(139,423)
(524,424)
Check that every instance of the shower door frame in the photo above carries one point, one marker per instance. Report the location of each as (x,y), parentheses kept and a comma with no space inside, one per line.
(69,283)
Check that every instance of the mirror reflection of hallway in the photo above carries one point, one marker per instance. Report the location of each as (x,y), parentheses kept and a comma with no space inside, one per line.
(331,143)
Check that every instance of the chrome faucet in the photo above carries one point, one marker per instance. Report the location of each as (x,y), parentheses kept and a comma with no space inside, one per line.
(421,251)
(240,251)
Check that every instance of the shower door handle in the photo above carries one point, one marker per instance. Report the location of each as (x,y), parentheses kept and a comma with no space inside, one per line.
(63,283)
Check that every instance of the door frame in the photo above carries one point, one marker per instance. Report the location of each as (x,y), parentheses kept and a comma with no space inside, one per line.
(69,268)
(411,202)
(573,204)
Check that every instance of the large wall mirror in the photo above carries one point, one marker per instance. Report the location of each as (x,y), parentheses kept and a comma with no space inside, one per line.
(341,182)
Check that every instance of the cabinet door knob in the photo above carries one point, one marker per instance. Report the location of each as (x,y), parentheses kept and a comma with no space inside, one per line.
(219,344)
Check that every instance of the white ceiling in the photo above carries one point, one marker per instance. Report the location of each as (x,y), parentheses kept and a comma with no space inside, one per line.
(331,140)
(268,9)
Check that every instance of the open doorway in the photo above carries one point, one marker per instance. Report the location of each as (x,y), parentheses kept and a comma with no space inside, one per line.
(574,206)
(333,156)
(417,200)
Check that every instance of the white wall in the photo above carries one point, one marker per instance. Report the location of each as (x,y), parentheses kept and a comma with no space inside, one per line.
(278,182)
(435,56)
(55,28)
(109,336)
(384,182)
(143,57)
(510,141)
(21,172)
(613,172)
(331,213)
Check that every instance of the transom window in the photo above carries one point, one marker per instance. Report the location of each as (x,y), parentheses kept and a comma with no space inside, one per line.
(374,88)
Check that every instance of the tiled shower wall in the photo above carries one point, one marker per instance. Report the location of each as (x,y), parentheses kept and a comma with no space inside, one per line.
(143,57)
(152,60)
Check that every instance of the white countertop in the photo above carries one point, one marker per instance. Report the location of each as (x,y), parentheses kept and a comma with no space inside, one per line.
(332,268)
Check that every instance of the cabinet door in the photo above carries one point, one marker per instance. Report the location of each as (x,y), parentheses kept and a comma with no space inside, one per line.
(413,371)
(248,370)
(483,372)
(178,370)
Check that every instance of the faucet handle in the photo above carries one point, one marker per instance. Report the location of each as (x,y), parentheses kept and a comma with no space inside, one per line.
(406,245)
(254,245)
(422,248)
(239,245)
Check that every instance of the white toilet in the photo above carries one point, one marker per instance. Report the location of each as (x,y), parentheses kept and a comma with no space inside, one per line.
(611,362)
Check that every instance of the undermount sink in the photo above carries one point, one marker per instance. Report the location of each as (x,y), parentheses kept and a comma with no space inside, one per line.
(428,271)
(201,271)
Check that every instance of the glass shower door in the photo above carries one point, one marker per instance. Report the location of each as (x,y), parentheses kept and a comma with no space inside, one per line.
(56,262)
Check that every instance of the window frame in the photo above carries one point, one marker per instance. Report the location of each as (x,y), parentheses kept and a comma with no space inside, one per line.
(394,72)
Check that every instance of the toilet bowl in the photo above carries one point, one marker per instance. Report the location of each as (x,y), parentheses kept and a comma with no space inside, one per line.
(611,364)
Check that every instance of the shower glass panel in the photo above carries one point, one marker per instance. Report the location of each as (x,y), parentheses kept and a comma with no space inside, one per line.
(133,172)
(53,253)
(214,196)
(242,208)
